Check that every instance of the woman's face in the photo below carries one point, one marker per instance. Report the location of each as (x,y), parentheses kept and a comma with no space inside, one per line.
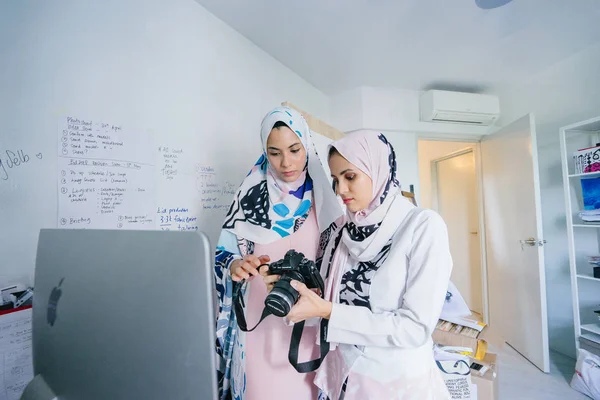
(351,184)
(286,154)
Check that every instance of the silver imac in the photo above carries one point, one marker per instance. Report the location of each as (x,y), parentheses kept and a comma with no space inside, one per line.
(123,315)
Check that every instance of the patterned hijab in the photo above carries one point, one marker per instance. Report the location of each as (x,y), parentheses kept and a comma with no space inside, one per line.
(265,208)
(366,236)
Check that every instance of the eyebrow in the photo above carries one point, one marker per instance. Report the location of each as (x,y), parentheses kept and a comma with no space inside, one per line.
(343,172)
(289,147)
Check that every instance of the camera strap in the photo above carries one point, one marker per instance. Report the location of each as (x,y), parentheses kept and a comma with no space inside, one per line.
(308,366)
(303,367)
(238,306)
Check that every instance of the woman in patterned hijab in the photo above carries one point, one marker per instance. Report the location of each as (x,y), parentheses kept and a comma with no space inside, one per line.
(387,271)
(285,202)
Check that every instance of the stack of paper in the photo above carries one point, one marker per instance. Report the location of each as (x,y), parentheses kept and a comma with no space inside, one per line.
(457,329)
(590,216)
(594,261)
(446,353)
(455,305)
(16,366)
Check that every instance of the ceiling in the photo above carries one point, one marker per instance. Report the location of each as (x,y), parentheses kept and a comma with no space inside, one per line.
(413,44)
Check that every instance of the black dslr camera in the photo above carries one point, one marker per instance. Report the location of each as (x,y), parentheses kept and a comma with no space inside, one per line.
(293,266)
(281,300)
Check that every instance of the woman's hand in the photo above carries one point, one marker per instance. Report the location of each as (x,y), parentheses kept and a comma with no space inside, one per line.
(269,280)
(309,304)
(247,267)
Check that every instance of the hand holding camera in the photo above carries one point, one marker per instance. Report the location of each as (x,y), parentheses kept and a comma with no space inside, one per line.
(247,267)
(309,305)
(293,266)
(268,278)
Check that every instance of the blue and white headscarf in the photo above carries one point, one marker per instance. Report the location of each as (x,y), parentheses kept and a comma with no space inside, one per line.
(265,208)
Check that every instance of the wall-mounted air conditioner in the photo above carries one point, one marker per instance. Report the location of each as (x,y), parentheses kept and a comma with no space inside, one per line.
(459,108)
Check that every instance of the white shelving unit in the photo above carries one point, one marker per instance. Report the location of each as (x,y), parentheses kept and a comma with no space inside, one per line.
(583,238)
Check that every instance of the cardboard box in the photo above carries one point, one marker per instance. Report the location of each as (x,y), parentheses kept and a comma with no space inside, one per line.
(487,385)
(487,336)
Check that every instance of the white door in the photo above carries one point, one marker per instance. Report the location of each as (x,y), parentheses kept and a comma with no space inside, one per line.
(513,224)
(457,202)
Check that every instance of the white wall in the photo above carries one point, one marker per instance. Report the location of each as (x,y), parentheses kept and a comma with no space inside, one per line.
(567,92)
(165,66)
(347,110)
(395,112)
(392,110)
(405,146)
(427,152)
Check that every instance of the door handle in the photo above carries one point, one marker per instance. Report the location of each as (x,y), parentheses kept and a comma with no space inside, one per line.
(532,242)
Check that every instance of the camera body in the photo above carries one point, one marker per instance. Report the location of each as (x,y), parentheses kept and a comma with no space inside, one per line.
(292,266)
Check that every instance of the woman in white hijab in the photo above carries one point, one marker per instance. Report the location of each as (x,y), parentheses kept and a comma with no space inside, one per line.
(387,271)
(285,202)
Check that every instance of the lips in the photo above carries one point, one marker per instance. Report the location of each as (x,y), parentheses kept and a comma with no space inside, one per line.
(348,200)
(291,173)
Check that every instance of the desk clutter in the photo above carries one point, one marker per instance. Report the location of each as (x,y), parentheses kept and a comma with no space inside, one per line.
(15,296)
(16,366)
(469,370)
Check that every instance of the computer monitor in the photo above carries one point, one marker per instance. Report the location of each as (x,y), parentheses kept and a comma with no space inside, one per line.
(123,315)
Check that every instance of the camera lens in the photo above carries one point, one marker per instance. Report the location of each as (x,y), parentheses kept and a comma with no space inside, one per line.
(279,303)
(283,296)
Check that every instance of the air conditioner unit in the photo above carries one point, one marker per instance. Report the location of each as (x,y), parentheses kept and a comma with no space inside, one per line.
(459,108)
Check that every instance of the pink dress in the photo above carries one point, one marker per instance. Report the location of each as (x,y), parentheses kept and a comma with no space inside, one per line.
(268,372)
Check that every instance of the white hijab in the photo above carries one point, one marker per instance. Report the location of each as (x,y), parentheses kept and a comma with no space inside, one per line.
(265,208)
(366,235)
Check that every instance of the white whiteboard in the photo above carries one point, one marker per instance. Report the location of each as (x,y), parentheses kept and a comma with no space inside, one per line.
(104,174)
(113,177)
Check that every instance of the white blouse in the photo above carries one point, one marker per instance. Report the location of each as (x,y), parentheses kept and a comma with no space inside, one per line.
(387,350)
